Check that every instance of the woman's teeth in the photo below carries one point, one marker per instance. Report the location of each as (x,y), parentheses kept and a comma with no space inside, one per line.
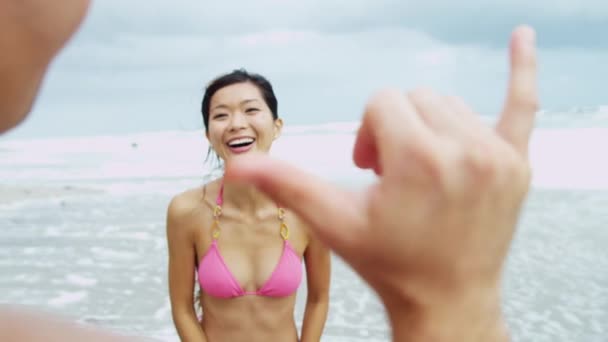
(240,142)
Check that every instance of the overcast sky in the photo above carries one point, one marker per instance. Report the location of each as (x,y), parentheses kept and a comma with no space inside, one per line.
(142,65)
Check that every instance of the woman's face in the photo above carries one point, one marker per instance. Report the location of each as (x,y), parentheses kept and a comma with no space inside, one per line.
(240,121)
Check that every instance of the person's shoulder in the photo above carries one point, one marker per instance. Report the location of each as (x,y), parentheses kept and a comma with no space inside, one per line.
(183,208)
(181,214)
(184,202)
(191,202)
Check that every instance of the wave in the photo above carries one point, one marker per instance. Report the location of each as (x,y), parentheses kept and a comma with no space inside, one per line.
(560,157)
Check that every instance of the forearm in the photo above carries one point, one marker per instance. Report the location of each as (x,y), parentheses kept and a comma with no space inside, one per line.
(189,328)
(406,328)
(315,315)
(21,324)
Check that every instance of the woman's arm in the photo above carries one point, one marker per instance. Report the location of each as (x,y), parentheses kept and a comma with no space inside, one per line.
(181,271)
(318,272)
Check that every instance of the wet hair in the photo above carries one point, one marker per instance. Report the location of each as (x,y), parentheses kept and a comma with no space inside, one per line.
(235,77)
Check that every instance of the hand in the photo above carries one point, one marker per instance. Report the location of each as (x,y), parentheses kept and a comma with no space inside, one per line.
(33,32)
(432,234)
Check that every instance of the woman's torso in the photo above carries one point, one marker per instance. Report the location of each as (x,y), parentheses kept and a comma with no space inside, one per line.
(249,247)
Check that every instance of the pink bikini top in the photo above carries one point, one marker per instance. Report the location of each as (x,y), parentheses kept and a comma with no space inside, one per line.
(215,278)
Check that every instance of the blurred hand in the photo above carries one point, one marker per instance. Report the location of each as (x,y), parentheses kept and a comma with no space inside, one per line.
(431,235)
(33,32)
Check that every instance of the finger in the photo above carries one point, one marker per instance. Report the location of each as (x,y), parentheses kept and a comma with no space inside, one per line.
(458,105)
(465,114)
(390,129)
(365,154)
(435,112)
(517,119)
(333,214)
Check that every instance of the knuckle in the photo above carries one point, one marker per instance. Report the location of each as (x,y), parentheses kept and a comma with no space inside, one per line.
(433,164)
(453,99)
(379,99)
(437,163)
(516,169)
(479,160)
(421,93)
(420,162)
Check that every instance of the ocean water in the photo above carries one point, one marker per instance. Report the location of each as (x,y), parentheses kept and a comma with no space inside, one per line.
(82,228)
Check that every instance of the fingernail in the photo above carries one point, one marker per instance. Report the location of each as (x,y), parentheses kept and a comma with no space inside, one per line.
(530,34)
(532,37)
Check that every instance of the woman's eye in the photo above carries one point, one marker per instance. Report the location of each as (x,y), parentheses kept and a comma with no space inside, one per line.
(252,110)
(219,116)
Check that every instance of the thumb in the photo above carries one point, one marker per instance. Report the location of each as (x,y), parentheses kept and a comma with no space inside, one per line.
(331,213)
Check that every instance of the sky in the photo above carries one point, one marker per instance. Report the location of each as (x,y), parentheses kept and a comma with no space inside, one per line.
(142,65)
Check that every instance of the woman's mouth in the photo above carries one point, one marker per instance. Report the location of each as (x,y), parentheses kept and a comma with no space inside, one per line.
(240,145)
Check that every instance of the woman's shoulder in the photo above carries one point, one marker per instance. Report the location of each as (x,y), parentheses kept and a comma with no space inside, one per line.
(192,201)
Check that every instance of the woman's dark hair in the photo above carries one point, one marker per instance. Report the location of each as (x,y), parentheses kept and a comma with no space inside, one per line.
(238,76)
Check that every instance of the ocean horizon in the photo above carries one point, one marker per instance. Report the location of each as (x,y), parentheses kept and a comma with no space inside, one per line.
(565,152)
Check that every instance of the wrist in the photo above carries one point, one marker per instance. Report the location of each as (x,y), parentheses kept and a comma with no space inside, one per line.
(472,316)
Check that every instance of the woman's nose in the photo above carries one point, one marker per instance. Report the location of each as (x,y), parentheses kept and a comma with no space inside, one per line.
(237,122)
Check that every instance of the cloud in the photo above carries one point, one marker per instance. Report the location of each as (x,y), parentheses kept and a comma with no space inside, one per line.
(559,23)
(143,65)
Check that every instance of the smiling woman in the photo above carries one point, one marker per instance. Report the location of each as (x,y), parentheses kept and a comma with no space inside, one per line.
(235,101)
(245,250)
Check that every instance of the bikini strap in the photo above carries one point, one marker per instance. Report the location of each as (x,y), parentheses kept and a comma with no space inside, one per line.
(220,195)
(284,228)
(217,212)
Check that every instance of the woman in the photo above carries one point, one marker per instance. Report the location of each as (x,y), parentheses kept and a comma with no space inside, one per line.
(246,250)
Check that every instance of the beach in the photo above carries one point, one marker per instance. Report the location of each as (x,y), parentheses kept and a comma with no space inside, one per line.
(83,235)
